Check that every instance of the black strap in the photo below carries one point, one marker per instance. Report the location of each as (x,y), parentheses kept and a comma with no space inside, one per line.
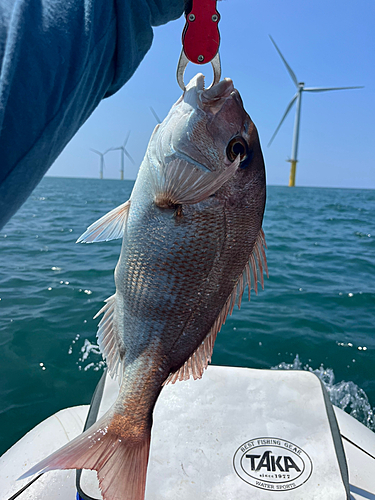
(25,487)
(90,420)
(339,448)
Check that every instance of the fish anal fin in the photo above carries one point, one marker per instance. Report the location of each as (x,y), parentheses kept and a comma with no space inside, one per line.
(195,365)
(109,227)
(108,340)
(121,464)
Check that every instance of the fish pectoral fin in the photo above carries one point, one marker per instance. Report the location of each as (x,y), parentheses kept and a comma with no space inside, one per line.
(121,463)
(109,227)
(183,183)
(252,273)
(108,340)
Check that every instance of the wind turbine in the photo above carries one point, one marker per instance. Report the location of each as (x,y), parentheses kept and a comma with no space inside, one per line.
(297,98)
(155,115)
(123,153)
(101,160)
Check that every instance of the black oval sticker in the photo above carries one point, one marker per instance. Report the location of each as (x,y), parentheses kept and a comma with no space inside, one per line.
(272,464)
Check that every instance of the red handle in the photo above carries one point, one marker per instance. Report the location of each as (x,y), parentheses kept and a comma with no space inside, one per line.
(201,37)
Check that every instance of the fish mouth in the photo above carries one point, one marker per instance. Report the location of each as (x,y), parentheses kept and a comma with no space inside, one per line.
(197,96)
(221,90)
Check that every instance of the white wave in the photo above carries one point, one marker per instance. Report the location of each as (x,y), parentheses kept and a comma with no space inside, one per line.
(89,351)
(346,395)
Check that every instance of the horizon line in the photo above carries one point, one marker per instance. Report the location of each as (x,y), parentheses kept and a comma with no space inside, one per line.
(270,185)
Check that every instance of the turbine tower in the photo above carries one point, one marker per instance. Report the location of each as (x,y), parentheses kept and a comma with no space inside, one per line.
(101,160)
(123,153)
(297,98)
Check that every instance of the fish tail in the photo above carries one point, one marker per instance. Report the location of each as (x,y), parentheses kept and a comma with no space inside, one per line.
(120,460)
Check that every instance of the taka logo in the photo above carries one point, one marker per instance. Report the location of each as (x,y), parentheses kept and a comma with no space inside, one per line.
(269,462)
(272,464)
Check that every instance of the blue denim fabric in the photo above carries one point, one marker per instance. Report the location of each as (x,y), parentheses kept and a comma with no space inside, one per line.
(58,59)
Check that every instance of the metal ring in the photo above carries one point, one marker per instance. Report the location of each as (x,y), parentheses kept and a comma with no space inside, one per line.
(183,62)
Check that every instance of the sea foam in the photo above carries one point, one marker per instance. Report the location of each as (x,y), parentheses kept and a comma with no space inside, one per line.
(345,395)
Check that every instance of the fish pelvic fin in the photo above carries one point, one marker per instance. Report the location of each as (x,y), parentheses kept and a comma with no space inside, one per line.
(108,340)
(120,462)
(253,272)
(109,227)
(183,183)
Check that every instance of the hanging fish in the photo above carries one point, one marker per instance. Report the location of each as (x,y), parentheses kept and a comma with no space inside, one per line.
(192,241)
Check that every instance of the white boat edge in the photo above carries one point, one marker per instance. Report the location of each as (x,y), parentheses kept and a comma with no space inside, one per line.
(358,441)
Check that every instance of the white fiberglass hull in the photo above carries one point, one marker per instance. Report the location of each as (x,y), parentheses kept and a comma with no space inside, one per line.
(236,434)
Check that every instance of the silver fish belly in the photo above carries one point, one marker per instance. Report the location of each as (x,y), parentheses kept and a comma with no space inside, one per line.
(192,241)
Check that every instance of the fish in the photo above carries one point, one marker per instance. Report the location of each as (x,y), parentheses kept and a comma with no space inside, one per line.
(192,241)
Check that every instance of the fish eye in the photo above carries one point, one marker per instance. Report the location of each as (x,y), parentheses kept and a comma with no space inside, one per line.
(237,146)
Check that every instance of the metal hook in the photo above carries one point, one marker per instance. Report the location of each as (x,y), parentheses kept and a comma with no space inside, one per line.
(183,62)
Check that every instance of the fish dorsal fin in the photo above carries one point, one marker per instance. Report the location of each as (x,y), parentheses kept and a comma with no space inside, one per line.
(250,276)
(109,227)
(107,338)
(183,183)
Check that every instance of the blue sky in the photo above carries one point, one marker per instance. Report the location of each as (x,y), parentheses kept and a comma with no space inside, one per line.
(327,44)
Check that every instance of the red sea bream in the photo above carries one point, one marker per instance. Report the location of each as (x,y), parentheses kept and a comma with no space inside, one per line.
(192,241)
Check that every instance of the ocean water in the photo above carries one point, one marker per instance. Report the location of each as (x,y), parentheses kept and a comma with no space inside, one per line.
(317,311)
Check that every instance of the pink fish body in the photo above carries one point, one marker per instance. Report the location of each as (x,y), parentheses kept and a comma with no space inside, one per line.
(192,241)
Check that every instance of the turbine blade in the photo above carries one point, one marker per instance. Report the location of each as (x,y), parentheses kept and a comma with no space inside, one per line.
(289,107)
(324,89)
(95,151)
(290,71)
(155,115)
(129,156)
(126,138)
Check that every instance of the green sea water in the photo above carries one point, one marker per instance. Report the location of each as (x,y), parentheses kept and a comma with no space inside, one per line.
(317,310)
